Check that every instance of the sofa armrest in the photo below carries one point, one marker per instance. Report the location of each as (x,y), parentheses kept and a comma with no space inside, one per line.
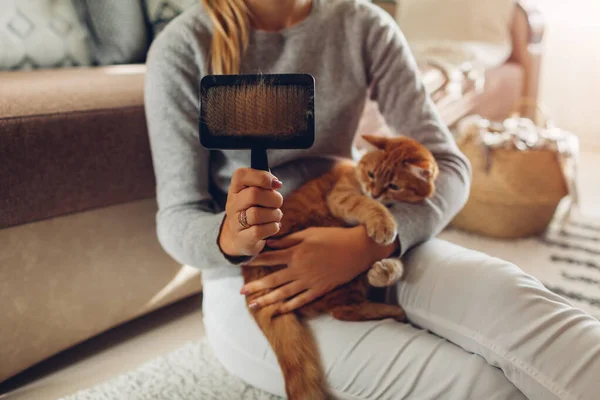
(535,20)
(528,29)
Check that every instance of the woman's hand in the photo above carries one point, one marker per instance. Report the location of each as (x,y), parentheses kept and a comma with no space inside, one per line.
(318,260)
(252,194)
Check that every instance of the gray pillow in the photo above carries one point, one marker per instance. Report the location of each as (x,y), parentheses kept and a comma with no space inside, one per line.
(117,30)
(41,34)
(161,12)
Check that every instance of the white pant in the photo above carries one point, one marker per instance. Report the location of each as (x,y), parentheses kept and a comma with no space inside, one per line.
(482,329)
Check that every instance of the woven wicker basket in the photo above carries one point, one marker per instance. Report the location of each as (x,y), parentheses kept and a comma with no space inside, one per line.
(514,192)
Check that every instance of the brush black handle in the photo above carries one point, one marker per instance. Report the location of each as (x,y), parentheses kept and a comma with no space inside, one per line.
(259,159)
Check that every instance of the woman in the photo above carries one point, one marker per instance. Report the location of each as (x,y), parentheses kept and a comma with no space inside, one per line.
(480,327)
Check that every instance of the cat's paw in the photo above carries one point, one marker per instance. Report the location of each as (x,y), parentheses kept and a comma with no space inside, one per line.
(385,272)
(382,230)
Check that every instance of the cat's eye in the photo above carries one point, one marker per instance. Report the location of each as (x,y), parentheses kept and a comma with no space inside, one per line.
(371,175)
(393,186)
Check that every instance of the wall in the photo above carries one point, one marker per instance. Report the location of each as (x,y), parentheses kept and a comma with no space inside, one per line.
(570,86)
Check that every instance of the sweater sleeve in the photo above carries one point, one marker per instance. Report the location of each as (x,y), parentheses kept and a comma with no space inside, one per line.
(396,86)
(188,219)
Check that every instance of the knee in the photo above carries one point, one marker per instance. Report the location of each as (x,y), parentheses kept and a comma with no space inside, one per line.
(500,293)
(456,265)
(505,282)
(489,281)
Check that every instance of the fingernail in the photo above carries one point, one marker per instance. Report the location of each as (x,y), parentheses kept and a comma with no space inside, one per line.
(279,223)
(276,184)
(244,291)
(253,306)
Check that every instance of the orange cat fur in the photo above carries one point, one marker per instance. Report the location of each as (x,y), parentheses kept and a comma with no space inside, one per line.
(399,170)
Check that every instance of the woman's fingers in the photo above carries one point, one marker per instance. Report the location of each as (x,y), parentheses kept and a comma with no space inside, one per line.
(270,281)
(284,243)
(256,197)
(290,240)
(298,301)
(256,216)
(256,233)
(280,294)
(271,258)
(247,177)
(260,216)
(253,192)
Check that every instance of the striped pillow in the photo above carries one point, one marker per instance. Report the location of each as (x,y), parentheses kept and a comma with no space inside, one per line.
(41,34)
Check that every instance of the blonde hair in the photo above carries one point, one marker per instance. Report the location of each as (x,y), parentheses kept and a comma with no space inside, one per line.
(231,29)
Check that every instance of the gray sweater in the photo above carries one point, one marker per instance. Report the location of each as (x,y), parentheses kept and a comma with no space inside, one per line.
(349,46)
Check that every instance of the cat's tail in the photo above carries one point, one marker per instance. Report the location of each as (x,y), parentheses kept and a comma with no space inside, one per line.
(297,353)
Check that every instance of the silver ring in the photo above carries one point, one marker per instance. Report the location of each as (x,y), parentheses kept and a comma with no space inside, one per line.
(243,220)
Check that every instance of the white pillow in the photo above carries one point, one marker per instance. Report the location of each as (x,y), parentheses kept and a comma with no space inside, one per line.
(482,26)
(41,34)
(161,12)
(119,30)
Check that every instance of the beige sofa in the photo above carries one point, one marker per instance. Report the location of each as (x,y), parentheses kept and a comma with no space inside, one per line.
(78,250)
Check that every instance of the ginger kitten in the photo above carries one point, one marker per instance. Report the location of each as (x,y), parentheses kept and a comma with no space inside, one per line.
(399,170)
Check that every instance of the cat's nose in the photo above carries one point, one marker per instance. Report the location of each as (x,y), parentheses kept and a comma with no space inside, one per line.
(376,194)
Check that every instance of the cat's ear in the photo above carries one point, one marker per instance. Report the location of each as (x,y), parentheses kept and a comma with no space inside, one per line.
(421,173)
(378,141)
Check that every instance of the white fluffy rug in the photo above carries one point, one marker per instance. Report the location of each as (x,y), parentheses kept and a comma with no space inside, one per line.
(566,261)
(189,373)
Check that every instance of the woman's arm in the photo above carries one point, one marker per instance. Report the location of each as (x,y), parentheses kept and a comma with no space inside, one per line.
(188,219)
(396,85)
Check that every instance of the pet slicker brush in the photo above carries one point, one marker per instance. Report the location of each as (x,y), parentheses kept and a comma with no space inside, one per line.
(257,112)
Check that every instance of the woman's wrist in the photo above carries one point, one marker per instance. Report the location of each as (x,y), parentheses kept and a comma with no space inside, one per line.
(222,241)
(226,245)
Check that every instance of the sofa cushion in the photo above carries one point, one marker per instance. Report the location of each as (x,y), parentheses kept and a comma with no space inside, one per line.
(72,140)
(117,29)
(41,34)
(482,26)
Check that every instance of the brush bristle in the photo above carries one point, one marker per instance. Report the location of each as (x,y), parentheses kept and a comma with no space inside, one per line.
(257,109)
